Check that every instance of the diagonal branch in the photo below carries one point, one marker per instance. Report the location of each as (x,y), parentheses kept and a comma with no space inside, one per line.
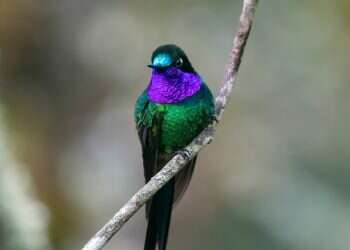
(101,238)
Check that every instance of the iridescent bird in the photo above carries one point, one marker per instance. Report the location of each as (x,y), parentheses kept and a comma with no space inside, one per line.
(174,108)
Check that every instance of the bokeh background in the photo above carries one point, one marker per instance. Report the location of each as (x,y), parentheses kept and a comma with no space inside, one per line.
(277,175)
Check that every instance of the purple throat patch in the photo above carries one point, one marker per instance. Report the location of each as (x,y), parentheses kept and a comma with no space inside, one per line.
(172,85)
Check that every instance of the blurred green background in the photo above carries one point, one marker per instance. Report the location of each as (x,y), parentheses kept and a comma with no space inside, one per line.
(277,175)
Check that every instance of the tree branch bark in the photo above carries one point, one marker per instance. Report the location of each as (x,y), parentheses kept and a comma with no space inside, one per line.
(101,238)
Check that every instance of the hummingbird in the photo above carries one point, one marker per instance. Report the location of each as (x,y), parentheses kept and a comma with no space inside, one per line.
(173,109)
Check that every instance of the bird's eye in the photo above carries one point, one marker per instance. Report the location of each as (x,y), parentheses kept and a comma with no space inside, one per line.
(179,62)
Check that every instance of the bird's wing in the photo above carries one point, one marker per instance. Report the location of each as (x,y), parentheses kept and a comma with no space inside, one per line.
(158,210)
(148,124)
(150,139)
(182,179)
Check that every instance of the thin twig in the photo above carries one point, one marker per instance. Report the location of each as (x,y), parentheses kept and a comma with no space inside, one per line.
(101,238)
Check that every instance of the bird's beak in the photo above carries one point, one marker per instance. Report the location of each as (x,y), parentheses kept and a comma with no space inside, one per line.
(151,66)
(155,66)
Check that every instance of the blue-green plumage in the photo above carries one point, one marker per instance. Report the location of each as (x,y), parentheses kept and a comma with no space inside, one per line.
(175,108)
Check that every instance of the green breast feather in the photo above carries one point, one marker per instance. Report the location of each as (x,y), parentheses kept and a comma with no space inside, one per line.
(181,122)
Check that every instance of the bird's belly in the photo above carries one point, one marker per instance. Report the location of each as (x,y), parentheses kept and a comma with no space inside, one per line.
(180,125)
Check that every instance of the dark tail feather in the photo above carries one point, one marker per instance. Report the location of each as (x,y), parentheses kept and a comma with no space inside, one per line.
(159,216)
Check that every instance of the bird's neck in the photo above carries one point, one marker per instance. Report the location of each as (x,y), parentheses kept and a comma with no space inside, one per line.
(172,85)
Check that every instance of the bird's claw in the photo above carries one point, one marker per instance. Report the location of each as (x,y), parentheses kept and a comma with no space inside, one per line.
(215,118)
(184,153)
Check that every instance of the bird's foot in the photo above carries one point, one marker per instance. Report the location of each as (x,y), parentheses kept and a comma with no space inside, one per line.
(215,118)
(184,153)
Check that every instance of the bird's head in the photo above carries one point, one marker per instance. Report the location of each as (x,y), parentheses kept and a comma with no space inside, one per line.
(170,56)
(173,78)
